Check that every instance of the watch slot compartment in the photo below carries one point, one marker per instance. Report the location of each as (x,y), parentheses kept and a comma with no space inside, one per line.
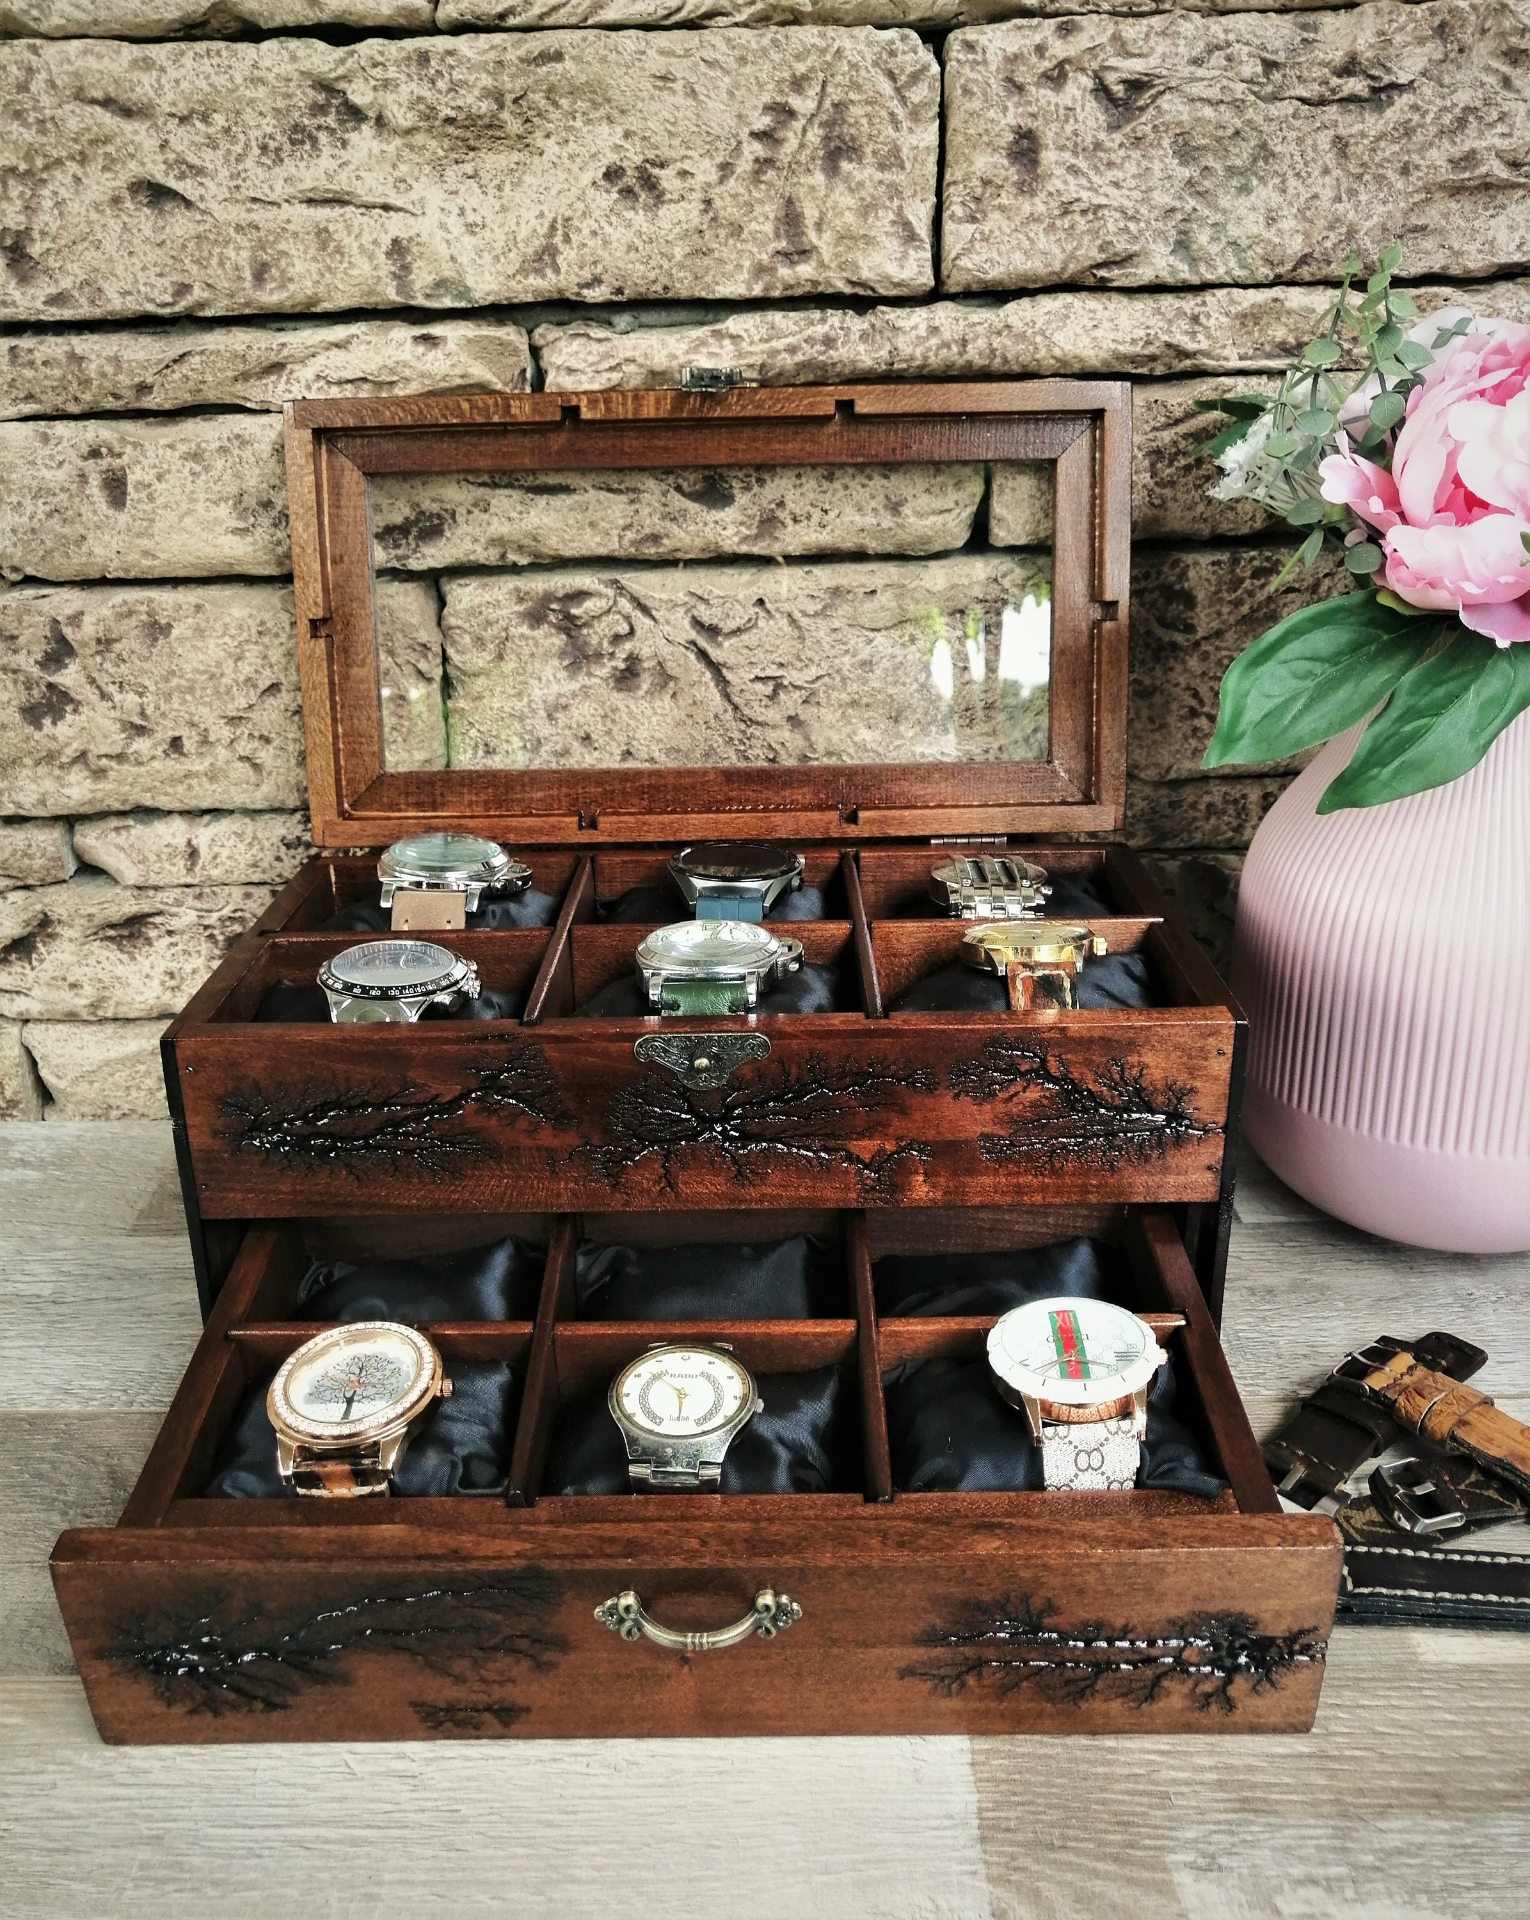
(927,955)
(895,881)
(279,987)
(348,886)
(638,889)
(606,983)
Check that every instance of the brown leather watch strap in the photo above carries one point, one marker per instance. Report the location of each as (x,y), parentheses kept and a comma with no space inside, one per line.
(1023,977)
(337,1479)
(1455,1416)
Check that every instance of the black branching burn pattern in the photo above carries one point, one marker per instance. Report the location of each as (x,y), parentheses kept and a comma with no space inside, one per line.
(249,1666)
(1009,1646)
(809,1112)
(1113,1117)
(365,1130)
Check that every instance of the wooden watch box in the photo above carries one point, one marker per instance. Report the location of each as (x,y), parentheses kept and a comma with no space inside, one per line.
(882,1130)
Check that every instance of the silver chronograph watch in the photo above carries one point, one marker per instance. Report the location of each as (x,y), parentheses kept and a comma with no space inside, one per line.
(1080,1371)
(450,863)
(395,980)
(713,966)
(344,1405)
(679,1409)
(736,880)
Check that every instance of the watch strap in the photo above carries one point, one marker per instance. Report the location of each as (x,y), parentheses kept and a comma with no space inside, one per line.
(339,1476)
(1022,979)
(1332,1434)
(1090,1456)
(713,907)
(1453,1415)
(703,996)
(647,1478)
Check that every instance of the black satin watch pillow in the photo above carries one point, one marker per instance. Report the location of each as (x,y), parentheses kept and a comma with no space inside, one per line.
(802,1441)
(808,990)
(929,1285)
(659,906)
(1115,980)
(291,1004)
(498,1282)
(950,1432)
(461,1446)
(528,909)
(802,1278)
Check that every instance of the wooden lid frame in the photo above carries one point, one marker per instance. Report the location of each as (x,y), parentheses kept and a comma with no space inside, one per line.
(335,447)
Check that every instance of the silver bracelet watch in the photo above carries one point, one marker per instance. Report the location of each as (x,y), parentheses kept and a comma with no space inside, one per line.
(679,1409)
(736,880)
(1080,1371)
(395,980)
(987,887)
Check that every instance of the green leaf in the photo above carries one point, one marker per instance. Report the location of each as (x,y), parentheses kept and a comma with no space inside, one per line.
(1391,260)
(1280,444)
(1242,406)
(1398,605)
(1307,513)
(1455,331)
(1363,557)
(1315,420)
(1321,353)
(1404,306)
(1389,339)
(1443,716)
(1413,356)
(1311,547)
(1524,541)
(1387,409)
(1312,675)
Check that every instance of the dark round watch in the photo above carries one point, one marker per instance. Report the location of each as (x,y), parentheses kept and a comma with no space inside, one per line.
(736,880)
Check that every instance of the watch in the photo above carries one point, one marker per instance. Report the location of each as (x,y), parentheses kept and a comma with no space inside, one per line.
(990,888)
(450,863)
(345,1403)
(679,1410)
(736,880)
(713,966)
(1080,1370)
(1040,961)
(394,980)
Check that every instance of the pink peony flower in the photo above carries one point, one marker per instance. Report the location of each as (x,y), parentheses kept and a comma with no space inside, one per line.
(1451,511)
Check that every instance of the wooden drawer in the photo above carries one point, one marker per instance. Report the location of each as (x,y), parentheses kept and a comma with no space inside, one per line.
(199,1619)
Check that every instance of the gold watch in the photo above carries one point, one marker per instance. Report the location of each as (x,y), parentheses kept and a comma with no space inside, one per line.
(1040,960)
(344,1405)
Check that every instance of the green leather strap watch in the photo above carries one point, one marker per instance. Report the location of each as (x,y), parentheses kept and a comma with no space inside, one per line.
(713,966)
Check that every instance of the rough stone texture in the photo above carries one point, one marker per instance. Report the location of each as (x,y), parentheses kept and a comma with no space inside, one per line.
(1192,611)
(1184,150)
(1204,886)
(21,1094)
(162,19)
(91,950)
(840,661)
(34,852)
(100,1069)
(1020,503)
(192,364)
(184,696)
(194,849)
(143,499)
(1216,810)
(422,521)
(294,176)
(822,13)
(1212,330)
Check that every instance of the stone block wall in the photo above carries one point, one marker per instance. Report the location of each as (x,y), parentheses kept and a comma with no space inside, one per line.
(210,206)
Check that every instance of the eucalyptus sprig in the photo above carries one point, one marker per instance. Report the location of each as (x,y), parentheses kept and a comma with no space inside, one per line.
(1273,448)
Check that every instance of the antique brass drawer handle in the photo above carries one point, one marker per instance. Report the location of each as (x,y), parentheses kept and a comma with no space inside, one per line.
(772,1613)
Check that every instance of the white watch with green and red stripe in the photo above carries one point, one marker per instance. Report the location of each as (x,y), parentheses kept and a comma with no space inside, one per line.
(1080,1371)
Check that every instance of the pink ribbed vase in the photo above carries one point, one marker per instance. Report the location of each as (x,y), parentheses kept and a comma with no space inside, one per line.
(1383,955)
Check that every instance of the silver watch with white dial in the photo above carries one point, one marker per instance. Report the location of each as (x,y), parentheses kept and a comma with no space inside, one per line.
(736,880)
(450,863)
(984,887)
(713,966)
(395,980)
(1080,1371)
(679,1409)
(345,1403)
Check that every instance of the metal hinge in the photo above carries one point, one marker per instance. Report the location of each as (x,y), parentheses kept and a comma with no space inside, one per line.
(710,379)
(970,840)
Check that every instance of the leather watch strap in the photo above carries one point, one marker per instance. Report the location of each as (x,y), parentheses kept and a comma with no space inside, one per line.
(715,909)
(704,996)
(1023,979)
(1453,1415)
(337,1478)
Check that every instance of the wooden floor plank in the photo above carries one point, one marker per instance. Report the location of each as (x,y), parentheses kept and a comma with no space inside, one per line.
(97,1177)
(58,1470)
(801,1829)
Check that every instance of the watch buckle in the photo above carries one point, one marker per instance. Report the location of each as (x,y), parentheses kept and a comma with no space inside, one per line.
(1408,1494)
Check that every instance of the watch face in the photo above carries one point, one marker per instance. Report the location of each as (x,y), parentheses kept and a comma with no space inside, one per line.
(710,949)
(738,860)
(346,1382)
(680,1393)
(384,969)
(1036,943)
(443,856)
(1073,1351)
